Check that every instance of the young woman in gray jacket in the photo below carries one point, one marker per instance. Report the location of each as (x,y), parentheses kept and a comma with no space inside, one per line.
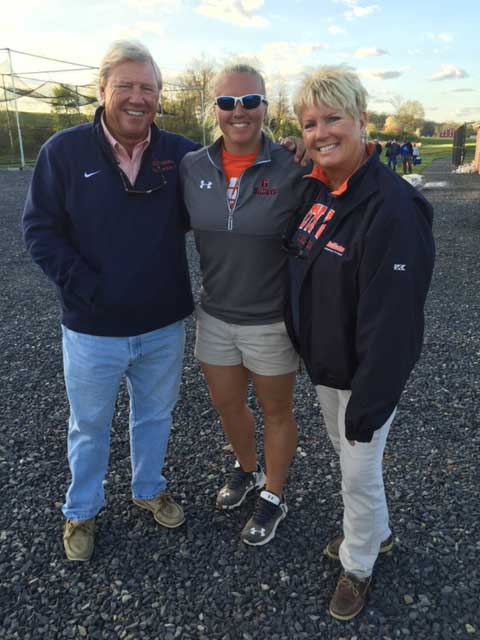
(239,193)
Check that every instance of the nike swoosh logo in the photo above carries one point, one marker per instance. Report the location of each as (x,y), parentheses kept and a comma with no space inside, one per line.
(93,173)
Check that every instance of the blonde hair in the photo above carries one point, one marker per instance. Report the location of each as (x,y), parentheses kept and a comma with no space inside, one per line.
(235,67)
(239,67)
(126,51)
(335,86)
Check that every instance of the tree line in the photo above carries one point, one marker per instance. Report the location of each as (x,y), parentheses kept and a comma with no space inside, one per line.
(186,108)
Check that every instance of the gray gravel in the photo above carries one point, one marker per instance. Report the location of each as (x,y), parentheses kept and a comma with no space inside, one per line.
(200,581)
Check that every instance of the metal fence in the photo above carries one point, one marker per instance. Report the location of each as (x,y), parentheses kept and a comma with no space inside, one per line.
(458,150)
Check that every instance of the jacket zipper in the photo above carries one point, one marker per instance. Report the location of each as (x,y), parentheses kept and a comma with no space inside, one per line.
(230,212)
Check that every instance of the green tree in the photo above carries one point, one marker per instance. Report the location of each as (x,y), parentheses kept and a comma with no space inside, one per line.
(186,102)
(411,116)
(66,107)
(392,126)
(282,121)
(428,128)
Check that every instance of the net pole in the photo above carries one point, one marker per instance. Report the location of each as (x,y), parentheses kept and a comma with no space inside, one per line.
(20,140)
(7,114)
(202,101)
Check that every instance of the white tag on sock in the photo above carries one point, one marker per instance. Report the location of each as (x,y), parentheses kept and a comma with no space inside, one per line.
(270,497)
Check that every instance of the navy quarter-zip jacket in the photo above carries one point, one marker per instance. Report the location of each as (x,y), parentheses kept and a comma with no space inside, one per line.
(115,251)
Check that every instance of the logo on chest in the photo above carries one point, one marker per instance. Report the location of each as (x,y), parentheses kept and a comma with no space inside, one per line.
(205,184)
(265,189)
(334,247)
(159,166)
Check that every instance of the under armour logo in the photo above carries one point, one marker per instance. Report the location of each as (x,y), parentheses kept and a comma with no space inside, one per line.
(205,185)
(399,267)
(261,531)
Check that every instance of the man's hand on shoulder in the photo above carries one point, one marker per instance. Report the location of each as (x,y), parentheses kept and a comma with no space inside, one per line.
(296,146)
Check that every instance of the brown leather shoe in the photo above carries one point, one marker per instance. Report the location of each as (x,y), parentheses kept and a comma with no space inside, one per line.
(78,539)
(349,597)
(333,547)
(164,508)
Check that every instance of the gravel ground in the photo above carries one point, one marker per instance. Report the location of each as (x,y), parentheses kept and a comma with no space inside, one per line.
(200,581)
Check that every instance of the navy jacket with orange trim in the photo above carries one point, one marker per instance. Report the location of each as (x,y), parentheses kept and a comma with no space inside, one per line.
(361,292)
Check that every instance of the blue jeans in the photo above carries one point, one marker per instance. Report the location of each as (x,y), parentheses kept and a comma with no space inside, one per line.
(392,162)
(93,368)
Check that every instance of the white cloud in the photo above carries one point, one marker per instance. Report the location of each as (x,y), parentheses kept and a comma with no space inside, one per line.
(445,37)
(288,58)
(442,37)
(355,10)
(449,72)
(380,74)
(370,52)
(463,90)
(239,12)
(150,26)
(335,30)
(468,112)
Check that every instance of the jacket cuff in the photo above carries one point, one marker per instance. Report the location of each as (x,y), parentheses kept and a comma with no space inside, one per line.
(365,435)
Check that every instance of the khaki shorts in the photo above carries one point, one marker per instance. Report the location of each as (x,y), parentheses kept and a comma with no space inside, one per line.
(264,349)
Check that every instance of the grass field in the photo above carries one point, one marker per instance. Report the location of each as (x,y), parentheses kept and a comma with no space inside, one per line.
(438,148)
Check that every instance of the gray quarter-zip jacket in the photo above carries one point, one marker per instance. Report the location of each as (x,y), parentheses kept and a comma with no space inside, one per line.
(241,257)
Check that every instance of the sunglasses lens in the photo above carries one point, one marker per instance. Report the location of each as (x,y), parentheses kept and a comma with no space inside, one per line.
(225,103)
(252,101)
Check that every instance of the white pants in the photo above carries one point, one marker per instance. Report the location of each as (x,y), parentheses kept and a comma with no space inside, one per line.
(365,515)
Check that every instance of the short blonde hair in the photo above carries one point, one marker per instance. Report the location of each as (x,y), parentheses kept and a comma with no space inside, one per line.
(126,51)
(335,86)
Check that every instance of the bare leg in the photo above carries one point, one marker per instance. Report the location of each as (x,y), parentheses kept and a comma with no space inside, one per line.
(275,395)
(228,391)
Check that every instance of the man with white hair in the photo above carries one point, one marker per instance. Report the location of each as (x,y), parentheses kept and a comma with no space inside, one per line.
(103,219)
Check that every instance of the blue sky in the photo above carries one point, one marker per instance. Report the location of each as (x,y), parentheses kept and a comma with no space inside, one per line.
(405,50)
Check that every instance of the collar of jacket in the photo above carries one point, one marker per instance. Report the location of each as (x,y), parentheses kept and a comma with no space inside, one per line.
(108,151)
(215,151)
(106,147)
(361,184)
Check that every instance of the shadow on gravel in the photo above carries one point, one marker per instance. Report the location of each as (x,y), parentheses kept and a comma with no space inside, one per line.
(200,581)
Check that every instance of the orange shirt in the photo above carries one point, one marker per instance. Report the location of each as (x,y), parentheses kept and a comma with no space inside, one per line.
(320,174)
(233,166)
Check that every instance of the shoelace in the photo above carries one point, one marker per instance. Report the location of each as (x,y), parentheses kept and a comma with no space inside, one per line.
(163,499)
(264,510)
(82,526)
(348,583)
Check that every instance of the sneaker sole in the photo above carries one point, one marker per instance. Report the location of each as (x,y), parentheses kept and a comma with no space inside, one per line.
(337,616)
(258,485)
(70,559)
(272,533)
(332,556)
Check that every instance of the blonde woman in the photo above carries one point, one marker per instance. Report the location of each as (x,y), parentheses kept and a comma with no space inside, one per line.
(361,259)
(239,193)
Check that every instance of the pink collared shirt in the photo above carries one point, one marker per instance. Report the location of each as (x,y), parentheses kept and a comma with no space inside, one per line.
(129,165)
